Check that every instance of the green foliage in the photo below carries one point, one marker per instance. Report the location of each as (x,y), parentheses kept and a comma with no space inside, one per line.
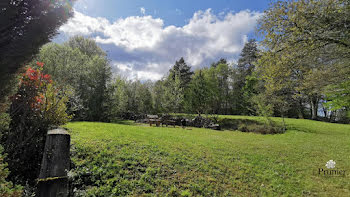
(86,46)
(5,120)
(252,87)
(209,91)
(338,97)
(119,97)
(197,96)
(247,59)
(131,97)
(124,159)
(244,84)
(146,102)
(218,77)
(158,93)
(54,107)
(36,107)
(264,107)
(175,86)
(7,189)
(307,47)
(173,94)
(82,69)
(182,71)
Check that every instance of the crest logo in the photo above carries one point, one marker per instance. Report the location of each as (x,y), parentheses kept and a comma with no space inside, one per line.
(331,170)
(330,164)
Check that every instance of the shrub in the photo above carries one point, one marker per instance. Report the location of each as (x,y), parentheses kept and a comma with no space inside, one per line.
(234,124)
(7,189)
(4,122)
(246,125)
(260,128)
(37,106)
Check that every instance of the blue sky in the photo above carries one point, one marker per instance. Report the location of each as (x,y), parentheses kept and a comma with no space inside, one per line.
(145,38)
(174,12)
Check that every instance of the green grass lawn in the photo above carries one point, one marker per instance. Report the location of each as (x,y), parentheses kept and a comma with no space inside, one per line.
(138,160)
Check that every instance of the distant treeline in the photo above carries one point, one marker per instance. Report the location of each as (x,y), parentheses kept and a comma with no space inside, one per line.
(249,87)
(299,69)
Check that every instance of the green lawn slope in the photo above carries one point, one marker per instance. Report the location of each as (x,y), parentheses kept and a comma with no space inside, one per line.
(137,160)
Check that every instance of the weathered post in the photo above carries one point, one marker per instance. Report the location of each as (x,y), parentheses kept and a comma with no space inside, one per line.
(53,180)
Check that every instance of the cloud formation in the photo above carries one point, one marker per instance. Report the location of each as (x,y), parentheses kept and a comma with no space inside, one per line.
(143,10)
(142,47)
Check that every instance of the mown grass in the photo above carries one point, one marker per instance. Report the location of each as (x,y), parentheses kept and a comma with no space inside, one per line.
(138,160)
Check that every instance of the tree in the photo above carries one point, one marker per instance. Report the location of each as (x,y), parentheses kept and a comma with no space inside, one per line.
(253,87)
(173,94)
(145,96)
(245,67)
(82,68)
(158,92)
(307,25)
(24,27)
(119,97)
(218,78)
(307,44)
(338,97)
(248,57)
(197,95)
(87,46)
(131,97)
(183,71)
(176,84)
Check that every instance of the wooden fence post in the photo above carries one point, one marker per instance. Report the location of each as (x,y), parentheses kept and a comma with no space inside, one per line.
(53,180)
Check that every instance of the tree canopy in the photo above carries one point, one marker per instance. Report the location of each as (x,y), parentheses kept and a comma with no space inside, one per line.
(25,25)
(306,49)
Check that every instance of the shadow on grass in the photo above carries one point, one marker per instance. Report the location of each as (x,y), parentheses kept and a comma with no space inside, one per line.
(300,129)
(233,124)
(248,125)
(124,122)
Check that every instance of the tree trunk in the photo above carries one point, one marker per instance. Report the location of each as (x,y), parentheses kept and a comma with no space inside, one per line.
(300,110)
(314,107)
(325,112)
(331,116)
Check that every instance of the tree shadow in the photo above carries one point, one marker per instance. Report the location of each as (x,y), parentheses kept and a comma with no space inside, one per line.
(124,122)
(233,124)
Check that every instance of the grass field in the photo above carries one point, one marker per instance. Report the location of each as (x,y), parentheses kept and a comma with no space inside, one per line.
(137,160)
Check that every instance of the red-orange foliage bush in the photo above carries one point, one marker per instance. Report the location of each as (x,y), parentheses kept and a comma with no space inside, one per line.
(36,107)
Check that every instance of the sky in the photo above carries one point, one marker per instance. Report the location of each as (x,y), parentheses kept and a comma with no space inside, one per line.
(144,38)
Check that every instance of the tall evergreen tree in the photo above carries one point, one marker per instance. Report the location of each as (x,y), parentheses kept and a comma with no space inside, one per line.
(247,58)
(221,61)
(176,84)
(183,71)
(245,68)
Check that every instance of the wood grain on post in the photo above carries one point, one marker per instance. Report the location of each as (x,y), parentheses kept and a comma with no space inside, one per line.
(53,180)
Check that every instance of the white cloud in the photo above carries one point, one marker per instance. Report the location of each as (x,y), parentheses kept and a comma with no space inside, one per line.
(143,48)
(143,10)
(81,24)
